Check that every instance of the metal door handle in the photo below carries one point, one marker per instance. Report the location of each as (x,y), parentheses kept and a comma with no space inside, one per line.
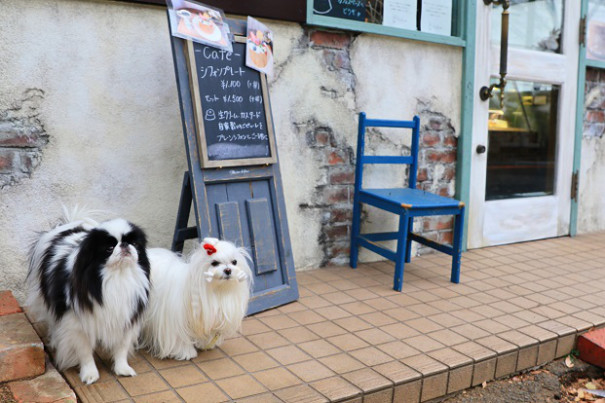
(485,92)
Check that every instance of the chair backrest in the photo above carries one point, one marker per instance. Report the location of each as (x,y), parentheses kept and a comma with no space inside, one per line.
(411,160)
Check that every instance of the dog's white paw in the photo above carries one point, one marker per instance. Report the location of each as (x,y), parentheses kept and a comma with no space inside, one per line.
(241,276)
(89,373)
(186,353)
(123,369)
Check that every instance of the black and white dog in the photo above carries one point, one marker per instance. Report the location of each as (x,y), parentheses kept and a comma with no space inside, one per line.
(90,282)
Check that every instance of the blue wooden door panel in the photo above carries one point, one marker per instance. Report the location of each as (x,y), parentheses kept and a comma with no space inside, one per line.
(267,189)
(215,193)
(220,198)
(263,189)
(239,192)
(245,214)
(263,235)
(229,227)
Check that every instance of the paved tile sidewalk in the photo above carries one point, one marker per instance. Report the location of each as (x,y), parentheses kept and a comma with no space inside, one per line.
(351,337)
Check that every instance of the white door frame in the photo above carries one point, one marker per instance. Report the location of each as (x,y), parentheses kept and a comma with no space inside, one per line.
(515,220)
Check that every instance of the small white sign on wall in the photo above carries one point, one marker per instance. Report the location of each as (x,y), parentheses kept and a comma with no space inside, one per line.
(436,17)
(400,14)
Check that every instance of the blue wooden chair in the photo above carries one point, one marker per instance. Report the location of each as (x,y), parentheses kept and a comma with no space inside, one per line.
(406,202)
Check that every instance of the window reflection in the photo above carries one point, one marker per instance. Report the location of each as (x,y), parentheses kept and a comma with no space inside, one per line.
(595,34)
(522,141)
(533,24)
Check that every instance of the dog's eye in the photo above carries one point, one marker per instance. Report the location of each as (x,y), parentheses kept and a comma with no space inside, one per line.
(234,262)
(109,249)
(215,263)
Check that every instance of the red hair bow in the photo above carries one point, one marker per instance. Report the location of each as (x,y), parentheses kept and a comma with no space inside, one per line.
(209,249)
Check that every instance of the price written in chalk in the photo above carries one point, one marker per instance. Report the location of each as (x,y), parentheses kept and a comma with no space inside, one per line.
(347,9)
(351,12)
(352,8)
(233,104)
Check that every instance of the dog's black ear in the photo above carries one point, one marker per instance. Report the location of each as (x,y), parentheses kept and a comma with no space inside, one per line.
(137,238)
(92,255)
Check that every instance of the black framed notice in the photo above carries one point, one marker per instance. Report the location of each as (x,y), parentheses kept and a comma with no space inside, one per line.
(231,107)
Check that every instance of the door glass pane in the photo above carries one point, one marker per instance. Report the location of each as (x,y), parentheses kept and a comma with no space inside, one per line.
(595,34)
(533,24)
(522,141)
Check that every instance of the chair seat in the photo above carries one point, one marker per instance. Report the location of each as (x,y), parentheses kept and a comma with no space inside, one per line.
(411,198)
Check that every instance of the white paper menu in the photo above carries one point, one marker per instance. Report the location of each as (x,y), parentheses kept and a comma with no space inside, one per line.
(400,14)
(436,17)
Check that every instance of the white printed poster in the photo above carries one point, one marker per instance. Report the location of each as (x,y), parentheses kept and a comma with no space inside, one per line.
(400,14)
(436,17)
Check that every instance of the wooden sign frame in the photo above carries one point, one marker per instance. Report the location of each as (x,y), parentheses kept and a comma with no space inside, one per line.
(199,117)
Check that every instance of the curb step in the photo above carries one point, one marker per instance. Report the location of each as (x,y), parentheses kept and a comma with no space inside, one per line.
(25,374)
(591,346)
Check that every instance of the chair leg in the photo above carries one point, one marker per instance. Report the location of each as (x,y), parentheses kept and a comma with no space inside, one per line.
(401,252)
(408,244)
(457,246)
(355,229)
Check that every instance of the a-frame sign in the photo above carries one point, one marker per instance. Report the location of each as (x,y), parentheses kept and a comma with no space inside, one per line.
(233,181)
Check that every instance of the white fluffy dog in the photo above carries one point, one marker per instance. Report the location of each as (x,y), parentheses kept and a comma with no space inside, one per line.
(195,304)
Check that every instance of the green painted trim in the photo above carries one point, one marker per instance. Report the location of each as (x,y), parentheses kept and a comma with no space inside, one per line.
(309,11)
(351,25)
(597,64)
(577,149)
(465,138)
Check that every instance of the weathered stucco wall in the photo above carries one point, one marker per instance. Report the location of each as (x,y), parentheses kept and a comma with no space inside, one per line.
(89,115)
(97,79)
(591,209)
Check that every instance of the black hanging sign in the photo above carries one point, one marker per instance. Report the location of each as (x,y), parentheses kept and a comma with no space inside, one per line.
(232,112)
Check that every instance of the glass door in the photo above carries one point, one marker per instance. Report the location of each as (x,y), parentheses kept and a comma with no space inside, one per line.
(523,141)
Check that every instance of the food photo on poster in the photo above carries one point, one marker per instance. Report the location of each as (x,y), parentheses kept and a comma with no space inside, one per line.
(199,23)
(259,47)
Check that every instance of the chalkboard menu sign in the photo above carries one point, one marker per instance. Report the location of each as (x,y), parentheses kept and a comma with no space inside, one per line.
(232,114)
(348,9)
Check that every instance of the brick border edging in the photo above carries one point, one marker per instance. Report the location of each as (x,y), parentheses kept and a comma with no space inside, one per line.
(8,303)
(414,391)
(39,375)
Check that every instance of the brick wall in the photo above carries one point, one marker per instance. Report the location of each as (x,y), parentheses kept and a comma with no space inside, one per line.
(436,171)
(334,193)
(594,111)
(22,137)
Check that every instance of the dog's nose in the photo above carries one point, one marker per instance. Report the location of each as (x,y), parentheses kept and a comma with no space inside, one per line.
(124,245)
(227,271)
